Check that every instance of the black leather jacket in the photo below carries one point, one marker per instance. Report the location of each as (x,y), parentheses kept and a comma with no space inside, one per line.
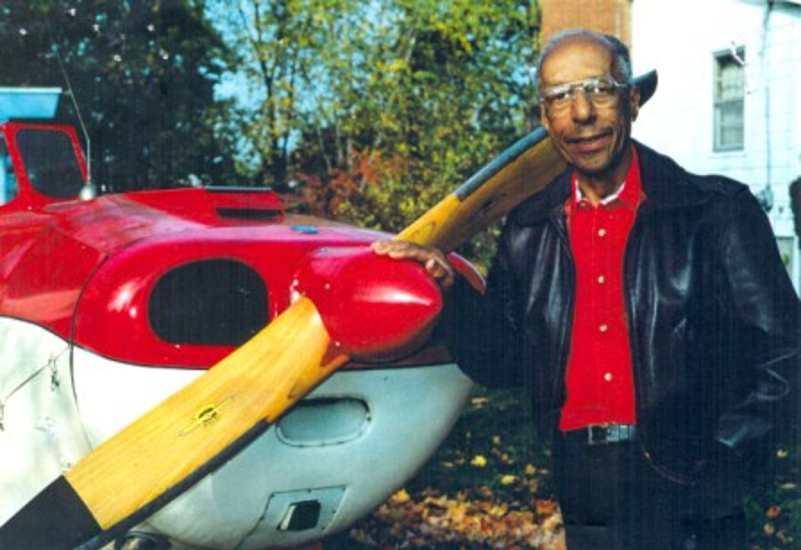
(713,317)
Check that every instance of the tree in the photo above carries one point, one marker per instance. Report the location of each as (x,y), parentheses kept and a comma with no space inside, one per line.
(143,73)
(374,110)
(281,44)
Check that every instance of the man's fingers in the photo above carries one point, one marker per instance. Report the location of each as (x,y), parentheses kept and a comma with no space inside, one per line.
(381,247)
(442,271)
(400,249)
(432,259)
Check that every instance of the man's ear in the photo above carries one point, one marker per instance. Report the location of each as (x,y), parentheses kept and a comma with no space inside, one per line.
(634,102)
(544,118)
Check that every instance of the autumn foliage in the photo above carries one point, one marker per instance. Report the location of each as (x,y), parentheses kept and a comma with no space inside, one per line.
(470,518)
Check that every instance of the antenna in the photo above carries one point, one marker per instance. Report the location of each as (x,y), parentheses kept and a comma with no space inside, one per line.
(89,189)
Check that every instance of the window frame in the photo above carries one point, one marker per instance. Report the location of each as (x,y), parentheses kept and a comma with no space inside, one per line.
(721,60)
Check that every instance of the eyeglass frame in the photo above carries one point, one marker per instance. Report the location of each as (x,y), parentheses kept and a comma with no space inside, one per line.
(571,89)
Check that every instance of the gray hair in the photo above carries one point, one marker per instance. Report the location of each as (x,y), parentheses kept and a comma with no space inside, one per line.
(621,64)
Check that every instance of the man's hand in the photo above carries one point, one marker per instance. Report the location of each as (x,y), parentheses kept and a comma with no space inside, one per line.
(435,262)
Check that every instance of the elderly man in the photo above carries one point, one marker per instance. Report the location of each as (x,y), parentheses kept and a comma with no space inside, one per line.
(647,312)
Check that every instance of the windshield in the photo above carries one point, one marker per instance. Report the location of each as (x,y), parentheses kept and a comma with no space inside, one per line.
(50,162)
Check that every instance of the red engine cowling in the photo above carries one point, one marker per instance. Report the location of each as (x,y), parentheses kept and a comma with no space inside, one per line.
(375,308)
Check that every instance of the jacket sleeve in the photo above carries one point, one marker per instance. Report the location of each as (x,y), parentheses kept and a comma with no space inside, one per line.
(485,331)
(766,309)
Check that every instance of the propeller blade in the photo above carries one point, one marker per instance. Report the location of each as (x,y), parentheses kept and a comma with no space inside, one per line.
(200,427)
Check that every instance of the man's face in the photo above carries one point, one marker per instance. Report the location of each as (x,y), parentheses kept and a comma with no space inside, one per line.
(591,136)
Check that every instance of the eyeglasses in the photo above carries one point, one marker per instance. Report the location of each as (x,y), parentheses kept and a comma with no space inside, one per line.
(601,92)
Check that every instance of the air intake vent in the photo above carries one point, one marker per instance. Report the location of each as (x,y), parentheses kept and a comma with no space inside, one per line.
(323,421)
(250,214)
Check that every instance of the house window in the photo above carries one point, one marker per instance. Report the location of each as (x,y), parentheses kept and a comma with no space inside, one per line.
(729,101)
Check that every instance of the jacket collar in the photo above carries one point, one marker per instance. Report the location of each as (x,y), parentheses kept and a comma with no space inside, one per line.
(666,185)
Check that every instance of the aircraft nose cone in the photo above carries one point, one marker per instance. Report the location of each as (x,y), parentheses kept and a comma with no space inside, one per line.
(375,308)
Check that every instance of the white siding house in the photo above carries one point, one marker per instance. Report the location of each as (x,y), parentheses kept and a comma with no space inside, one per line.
(729,96)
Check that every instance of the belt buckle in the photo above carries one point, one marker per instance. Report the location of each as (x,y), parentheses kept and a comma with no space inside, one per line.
(597,435)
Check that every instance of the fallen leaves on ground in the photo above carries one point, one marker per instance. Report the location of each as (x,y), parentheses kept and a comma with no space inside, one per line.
(470,519)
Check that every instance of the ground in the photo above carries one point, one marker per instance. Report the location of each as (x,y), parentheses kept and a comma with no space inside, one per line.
(489,487)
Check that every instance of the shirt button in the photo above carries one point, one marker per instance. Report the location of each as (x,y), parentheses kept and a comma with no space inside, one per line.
(603,328)
(602,232)
(601,279)
(608,376)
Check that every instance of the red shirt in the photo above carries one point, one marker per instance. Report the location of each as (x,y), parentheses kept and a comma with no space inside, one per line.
(600,383)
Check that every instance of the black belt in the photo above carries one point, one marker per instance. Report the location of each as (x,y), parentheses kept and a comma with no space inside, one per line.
(603,435)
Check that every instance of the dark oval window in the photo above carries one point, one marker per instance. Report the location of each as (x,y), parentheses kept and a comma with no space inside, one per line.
(211,302)
(50,162)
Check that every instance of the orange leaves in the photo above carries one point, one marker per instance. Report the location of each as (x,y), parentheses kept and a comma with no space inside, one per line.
(773,511)
(480,520)
(780,524)
(327,196)
(400,498)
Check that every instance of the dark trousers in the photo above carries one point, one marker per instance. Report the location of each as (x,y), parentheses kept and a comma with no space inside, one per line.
(612,498)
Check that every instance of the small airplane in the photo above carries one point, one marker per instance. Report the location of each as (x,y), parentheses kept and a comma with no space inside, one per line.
(109,305)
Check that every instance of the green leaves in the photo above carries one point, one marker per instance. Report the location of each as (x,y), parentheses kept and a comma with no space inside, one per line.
(423,91)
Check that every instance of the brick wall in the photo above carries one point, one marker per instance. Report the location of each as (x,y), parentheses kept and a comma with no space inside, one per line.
(607,16)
